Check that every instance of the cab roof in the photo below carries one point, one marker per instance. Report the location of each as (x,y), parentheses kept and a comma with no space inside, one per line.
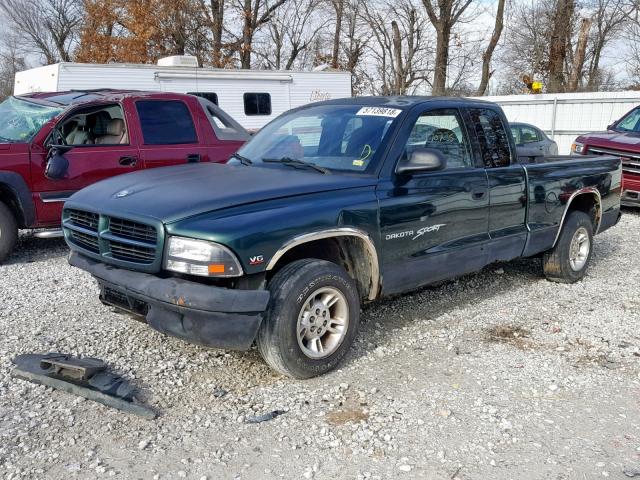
(401,101)
(75,97)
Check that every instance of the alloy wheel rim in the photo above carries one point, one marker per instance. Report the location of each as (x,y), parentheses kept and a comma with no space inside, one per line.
(323,322)
(579,249)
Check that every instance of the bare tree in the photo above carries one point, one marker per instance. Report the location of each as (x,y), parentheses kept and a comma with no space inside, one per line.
(49,28)
(338,7)
(11,62)
(609,18)
(254,14)
(401,55)
(444,15)
(488,53)
(291,32)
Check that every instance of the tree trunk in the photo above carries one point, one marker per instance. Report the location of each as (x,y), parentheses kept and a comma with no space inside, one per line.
(398,88)
(217,22)
(442,59)
(338,5)
(578,58)
(558,45)
(247,36)
(488,53)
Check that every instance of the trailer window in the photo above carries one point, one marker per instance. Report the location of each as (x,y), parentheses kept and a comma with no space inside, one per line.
(212,97)
(166,122)
(492,137)
(257,104)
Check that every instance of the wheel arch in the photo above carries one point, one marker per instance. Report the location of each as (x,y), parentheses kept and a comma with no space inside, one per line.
(587,200)
(349,247)
(15,193)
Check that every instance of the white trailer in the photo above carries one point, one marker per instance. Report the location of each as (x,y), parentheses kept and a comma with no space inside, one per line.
(564,116)
(252,97)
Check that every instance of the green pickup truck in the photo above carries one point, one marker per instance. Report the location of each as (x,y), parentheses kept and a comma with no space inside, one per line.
(331,205)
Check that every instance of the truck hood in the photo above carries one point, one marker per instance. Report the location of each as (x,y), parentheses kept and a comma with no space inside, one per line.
(173,193)
(616,140)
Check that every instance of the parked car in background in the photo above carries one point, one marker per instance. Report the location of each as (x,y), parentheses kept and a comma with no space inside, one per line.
(621,139)
(331,205)
(54,144)
(532,144)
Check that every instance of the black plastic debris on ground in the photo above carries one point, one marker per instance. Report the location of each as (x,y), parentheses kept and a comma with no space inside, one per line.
(265,417)
(86,377)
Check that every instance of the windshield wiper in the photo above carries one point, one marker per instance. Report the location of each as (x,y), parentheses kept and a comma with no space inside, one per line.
(243,160)
(294,162)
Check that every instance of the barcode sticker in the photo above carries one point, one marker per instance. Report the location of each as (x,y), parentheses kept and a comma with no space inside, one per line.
(379,112)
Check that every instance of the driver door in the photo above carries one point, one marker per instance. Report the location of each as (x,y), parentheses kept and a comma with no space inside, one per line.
(103,147)
(434,224)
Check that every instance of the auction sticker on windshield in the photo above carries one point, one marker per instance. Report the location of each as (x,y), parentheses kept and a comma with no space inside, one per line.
(379,112)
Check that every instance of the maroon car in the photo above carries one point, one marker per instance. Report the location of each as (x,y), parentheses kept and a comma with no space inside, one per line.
(54,144)
(621,139)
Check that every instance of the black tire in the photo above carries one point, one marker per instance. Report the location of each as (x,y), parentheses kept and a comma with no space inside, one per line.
(8,232)
(556,263)
(290,289)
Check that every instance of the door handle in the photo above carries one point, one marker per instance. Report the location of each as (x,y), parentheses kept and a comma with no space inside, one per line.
(193,158)
(479,193)
(128,161)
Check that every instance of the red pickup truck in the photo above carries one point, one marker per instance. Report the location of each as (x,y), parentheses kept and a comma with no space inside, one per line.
(54,144)
(621,139)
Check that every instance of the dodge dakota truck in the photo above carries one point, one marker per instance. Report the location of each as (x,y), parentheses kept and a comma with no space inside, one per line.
(53,144)
(622,139)
(331,205)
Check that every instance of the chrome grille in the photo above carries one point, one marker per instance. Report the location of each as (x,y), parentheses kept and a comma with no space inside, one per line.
(87,220)
(630,161)
(132,230)
(112,237)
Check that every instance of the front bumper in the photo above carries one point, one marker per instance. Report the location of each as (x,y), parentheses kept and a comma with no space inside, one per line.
(630,190)
(206,315)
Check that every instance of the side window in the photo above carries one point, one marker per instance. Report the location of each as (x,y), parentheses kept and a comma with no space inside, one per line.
(492,136)
(166,122)
(441,130)
(211,96)
(516,134)
(257,104)
(101,125)
(529,135)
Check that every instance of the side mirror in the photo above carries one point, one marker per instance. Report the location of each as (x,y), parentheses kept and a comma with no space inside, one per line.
(57,164)
(422,160)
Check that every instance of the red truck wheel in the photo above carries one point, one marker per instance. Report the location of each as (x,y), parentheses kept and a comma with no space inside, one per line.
(8,232)
(312,318)
(567,262)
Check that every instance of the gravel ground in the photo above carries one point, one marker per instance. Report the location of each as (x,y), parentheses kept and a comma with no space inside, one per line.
(493,376)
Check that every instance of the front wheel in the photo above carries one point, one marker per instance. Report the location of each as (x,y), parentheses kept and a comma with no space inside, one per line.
(312,319)
(8,232)
(567,262)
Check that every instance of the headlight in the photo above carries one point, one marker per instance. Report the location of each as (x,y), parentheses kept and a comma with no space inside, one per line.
(577,147)
(199,257)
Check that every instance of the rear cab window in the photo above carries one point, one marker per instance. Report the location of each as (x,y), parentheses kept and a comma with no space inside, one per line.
(166,122)
(492,137)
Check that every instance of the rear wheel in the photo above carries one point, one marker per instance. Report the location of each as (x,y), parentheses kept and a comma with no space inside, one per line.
(312,318)
(567,262)
(8,232)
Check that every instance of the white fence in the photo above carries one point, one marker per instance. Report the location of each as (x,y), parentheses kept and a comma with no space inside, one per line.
(564,116)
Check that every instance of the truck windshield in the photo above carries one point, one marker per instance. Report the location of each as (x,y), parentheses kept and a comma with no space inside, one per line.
(334,137)
(21,119)
(630,122)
